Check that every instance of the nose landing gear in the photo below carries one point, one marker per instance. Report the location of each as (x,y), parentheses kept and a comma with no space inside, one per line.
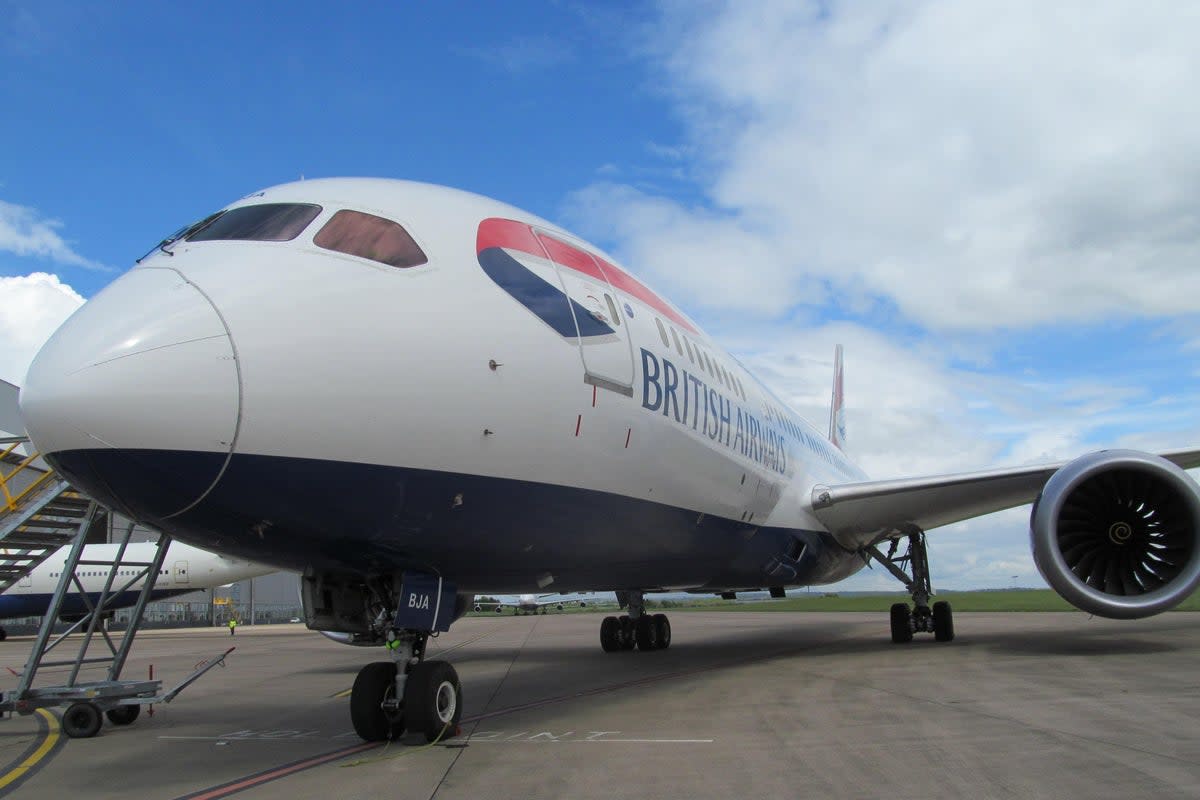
(406,693)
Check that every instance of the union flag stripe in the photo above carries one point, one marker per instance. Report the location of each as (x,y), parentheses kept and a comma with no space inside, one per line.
(518,236)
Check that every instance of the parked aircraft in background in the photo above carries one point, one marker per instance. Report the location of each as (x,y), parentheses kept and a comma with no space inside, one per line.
(185,569)
(531,604)
(412,395)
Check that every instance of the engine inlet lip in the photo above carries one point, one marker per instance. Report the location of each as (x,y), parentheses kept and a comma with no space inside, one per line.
(1051,562)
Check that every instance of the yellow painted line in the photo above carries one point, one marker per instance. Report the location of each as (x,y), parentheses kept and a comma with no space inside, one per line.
(53,732)
(343,693)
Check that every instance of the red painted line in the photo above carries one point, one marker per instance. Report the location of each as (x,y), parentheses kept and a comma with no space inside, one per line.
(233,787)
(578,422)
(628,433)
(593,397)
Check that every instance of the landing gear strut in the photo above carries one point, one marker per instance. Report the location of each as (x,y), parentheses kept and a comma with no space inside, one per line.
(406,693)
(645,631)
(921,618)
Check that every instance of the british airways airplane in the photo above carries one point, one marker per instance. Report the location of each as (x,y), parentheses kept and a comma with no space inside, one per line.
(412,394)
(185,569)
(532,604)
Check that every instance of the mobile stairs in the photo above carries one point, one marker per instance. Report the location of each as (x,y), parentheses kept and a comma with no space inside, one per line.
(40,515)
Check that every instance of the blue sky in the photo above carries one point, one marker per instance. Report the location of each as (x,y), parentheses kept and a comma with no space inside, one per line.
(992,207)
(128,121)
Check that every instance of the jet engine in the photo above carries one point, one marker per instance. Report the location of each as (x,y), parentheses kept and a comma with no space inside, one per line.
(1117,534)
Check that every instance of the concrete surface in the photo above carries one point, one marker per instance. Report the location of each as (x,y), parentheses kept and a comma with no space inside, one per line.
(743,705)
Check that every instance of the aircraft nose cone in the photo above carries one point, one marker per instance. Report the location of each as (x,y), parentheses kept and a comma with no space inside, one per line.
(136,398)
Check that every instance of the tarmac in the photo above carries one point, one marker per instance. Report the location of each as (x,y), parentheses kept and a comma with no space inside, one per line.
(742,705)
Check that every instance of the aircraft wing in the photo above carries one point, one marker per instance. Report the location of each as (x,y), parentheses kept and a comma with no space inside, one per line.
(858,514)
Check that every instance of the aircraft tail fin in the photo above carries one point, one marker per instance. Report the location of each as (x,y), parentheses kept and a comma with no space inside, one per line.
(837,415)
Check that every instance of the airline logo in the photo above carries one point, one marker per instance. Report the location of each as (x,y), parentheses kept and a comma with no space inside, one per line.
(678,394)
(523,264)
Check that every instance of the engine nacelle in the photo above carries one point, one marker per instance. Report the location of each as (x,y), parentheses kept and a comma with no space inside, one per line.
(1117,534)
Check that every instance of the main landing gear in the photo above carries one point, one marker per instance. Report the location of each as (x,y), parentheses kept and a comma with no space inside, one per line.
(921,618)
(406,693)
(637,629)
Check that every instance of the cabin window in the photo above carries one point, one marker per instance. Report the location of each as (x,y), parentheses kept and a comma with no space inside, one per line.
(678,346)
(268,222)
(371,237)
(612,309)
(663,333)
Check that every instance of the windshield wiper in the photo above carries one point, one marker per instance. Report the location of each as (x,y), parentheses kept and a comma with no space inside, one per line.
(184,232)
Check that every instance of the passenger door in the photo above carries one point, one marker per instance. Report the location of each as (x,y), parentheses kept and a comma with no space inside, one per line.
(603,336)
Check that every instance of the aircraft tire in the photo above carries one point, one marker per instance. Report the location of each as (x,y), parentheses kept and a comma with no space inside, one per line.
(610,634)
(943,622)
(901,623)
(433,700)
(81,720)
(123,715)
(664,631)
(3,634)
(645,632)
(628,640)
(375,683)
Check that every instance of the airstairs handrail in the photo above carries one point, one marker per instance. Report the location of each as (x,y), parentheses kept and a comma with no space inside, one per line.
(11,501)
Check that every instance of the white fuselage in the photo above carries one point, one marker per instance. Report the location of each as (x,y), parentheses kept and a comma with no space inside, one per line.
(185,569)
(251,367)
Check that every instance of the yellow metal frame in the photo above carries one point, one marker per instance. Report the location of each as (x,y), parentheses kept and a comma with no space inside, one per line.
(11,501)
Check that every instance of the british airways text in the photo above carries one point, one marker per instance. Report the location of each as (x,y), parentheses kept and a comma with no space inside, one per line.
(692,402)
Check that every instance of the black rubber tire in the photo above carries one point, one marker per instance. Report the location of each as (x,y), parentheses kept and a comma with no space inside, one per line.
(645,632)
(433,703)
(82,720)
(664,631)
(3,634)
(943,622)
(627,633)
(902,631)
(123,715)
(375,683)
(610,634)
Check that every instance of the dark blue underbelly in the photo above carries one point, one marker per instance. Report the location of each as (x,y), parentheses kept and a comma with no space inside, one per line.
(485,533)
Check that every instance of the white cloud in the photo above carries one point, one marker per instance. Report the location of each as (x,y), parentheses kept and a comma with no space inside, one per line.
(974,164)
(26,233)
(943,173)
(909,413)
(31,308)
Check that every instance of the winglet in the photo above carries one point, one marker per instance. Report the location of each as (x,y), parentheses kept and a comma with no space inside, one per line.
(837,415)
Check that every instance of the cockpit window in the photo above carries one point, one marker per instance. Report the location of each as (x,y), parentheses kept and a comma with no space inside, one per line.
(268,222)
(369,236)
